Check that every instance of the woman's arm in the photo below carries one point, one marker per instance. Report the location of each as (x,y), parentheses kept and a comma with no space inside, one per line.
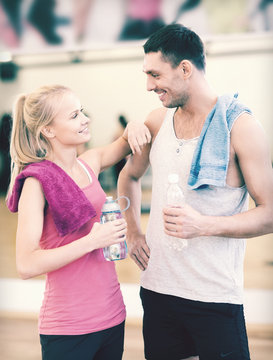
(134,137)
(31,260)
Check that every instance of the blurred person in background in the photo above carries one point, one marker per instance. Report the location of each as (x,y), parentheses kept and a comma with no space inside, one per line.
(119,165)
(193,298)
(186,5)
(10,22)
(82,10)
(193,13)
(261,16)
(5,129)
(59,200)
(143,17)
(13,10)
(40,15)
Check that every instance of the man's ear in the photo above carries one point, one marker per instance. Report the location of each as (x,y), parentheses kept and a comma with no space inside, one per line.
(48,132)
(186,68)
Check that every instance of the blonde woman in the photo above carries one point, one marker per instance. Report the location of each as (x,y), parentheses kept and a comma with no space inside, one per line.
(59,199)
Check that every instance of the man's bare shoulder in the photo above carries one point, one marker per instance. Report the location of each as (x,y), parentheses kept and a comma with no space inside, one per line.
(154,120)
(246,131)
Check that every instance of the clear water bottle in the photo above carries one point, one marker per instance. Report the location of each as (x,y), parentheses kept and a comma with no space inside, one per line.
(175,197)
(111,211)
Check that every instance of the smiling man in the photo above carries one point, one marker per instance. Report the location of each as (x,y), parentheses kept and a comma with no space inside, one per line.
(193,299)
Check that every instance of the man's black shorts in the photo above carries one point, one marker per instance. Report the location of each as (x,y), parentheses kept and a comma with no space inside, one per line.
(175,328)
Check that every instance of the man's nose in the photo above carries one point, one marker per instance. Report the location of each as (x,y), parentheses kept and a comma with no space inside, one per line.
(150,84)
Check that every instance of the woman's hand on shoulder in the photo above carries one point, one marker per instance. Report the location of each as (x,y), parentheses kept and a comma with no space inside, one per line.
(138,135)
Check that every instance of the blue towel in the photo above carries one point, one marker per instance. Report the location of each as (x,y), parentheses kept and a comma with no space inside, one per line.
(211,156)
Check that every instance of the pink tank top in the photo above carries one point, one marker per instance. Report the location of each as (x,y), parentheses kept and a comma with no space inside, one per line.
(83,296)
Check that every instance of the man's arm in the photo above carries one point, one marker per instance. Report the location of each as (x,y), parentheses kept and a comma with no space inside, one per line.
(129,184)
(250,146)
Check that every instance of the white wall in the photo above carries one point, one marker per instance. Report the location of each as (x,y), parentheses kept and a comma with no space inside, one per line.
(110,81)
(26,297)
(106,87)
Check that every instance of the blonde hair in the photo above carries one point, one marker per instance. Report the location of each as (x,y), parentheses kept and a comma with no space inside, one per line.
(31,113)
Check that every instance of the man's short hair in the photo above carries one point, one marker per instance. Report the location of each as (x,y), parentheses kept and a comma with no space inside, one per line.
(176,43)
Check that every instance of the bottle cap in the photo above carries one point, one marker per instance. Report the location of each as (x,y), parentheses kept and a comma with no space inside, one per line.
(173,178)
(110,205)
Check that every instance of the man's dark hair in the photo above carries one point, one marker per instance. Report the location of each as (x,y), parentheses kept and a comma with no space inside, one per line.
(176,43)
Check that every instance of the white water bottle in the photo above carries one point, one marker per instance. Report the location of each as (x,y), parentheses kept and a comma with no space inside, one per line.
(175,198)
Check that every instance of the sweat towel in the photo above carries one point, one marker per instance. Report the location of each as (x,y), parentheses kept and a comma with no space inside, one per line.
(211,156)
(69,205)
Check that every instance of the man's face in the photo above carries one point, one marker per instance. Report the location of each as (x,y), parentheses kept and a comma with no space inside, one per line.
(164,80)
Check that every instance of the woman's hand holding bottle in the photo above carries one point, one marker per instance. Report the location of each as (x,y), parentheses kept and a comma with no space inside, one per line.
(107,234)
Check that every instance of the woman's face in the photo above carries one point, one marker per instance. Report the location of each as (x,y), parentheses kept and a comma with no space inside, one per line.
(70,126)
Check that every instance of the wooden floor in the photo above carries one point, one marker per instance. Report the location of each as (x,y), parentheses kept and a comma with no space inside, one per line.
(19,336)
(19,340)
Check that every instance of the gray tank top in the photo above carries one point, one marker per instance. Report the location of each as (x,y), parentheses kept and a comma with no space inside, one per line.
(210,268)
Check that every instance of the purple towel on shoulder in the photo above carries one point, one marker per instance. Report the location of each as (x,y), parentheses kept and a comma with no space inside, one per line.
(70,207)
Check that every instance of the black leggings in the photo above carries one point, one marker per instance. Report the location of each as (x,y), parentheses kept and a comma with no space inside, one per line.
(102,345)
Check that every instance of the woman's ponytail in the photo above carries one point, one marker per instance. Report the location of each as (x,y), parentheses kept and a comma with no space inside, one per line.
(31,114)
